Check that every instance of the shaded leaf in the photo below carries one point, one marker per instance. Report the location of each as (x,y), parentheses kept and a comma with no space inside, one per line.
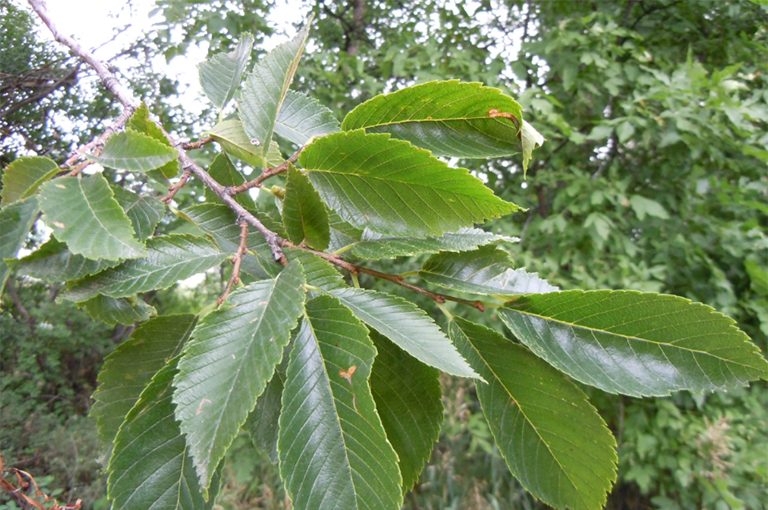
(302,117)
(130,368)
(220,75)
(171,258)
(218,221)
(150,467)
(225,173)
(134,151)
(408,398)
(634,343)
(229,360)
(394,188)
(486,271)
(261,424)
(319,273)
(141,122)
(342,233)
(143,211)
(53,262)
(376,246)
(15,221)
(552,439)
(646,206)
(118,310)
(83,213)
(448,118)
(265,88)
(232,138)
(304,214)
(333,449)
(406,325)
(24,176)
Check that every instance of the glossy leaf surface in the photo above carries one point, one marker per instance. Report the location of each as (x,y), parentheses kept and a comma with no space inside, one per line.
(376,246)
(304,214)
(634,343)
(301,117)
(15,221)
(333,450)
(220,75)
(229,360)
(134,151)
(265,88)
(406,325)
(83,213)
(130,368)
(150,467)
(171,258)
(394,188)
(24,176)
(486,271)
(448,118)
(408,398)
(127,310)
(552,439)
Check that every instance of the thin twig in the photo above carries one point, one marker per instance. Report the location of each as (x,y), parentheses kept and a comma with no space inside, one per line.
(188,146)
(266,174)
(167,198)
(242,248)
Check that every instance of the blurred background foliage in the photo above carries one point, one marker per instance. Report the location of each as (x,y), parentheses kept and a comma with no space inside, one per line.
(653,177)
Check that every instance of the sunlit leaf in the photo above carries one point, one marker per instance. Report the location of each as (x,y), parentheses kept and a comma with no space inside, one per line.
(301,117)
(394,188)
(531,140)
(634,343)
(235,142)
(83,212)
(24,176)
(134,151)
(449,118)
(220,75)
(141,123)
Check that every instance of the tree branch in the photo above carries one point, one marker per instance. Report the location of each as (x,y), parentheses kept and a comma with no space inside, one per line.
(236,260)
(266,174)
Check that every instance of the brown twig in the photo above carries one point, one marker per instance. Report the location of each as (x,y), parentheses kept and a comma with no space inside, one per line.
(188,146)
(176,187)
(236,260)
(266,174)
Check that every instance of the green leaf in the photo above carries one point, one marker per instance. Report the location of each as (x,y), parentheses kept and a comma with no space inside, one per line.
(261,424)
(225,173)
(144,212)
(647,207)
(376,246)
(15,221)
(229,360)
(220,75)
(333,449)
(531,140)
(135,152)
(232,138)
(265,88)
(394,188)
(130,368)
(141,122)
(83,212)
(53,262)
(171,258)
(23,177)
(304,214)
(342,233)
(406,325)
(118,310)
(449,118)
(150,467)
(218,221)
(486,271)
(301,118)
(408,398)
(319,273)
(634,343)
(552,439)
